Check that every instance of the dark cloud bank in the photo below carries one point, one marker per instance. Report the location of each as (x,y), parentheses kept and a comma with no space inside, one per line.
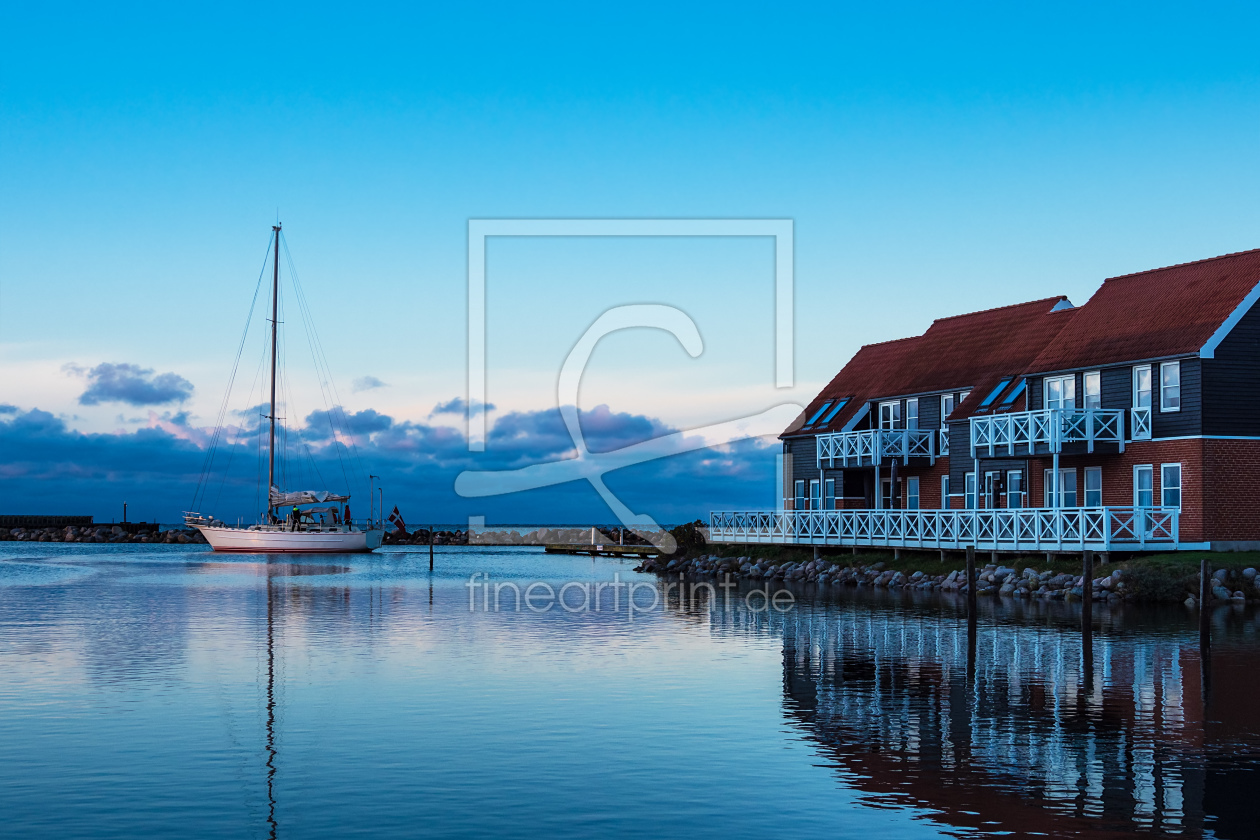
(46,467)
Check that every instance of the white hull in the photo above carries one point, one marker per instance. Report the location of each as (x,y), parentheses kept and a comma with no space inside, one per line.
(275,541)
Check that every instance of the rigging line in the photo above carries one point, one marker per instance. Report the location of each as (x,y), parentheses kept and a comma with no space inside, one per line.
(208,462)
(235,439)
(323,370)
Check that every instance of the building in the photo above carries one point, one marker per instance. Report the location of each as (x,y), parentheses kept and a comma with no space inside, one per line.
(1129,423)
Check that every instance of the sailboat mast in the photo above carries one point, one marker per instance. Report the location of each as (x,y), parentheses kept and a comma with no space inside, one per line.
(275,297)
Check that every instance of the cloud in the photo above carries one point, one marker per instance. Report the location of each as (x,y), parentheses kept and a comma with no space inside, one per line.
(130,384)
(367,383)
(48,467)
(458,406)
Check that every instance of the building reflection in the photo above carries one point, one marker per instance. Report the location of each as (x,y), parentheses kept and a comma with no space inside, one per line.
(1025,734)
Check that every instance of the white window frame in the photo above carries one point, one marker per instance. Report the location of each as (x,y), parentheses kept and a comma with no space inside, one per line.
(815,494)
(894,421)
(829,494)
(1094,377)
(912,492)
(1164,487)
(912,413)
(969,491)
(1018,494)
(798,502)
(1070,382)
(947,408)
(1137,389)
(886,502)
(945,492)
(1163,368)
(990,495)
(1149,469)
(1047,488)
(1093,471)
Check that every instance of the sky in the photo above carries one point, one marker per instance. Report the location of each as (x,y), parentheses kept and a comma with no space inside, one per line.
(932,159)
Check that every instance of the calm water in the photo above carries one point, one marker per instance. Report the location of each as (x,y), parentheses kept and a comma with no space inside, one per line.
(161,691)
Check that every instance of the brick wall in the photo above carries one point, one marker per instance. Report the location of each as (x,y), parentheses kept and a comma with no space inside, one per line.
(1230,498)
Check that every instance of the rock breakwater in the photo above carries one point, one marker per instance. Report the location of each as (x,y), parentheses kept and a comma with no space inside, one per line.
(991,580)
(101,534)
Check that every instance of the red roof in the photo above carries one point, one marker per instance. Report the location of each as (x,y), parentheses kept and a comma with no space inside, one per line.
(1164,312)
(965,351)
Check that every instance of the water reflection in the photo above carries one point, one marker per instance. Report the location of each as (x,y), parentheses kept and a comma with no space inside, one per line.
(1035,729)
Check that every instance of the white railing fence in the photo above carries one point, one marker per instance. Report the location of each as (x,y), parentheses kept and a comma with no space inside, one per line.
(1140,423)
(1021,432)
(1004,529)
(874,446)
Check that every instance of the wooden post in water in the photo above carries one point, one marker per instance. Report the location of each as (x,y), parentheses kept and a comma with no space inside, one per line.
(1205,603)
(431,548)
(971,582)
(1087,620)
(1087,588)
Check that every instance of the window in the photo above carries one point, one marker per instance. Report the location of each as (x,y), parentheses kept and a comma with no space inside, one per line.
(962,398)
(815,503)
(1093,487)
(1061,392)
(1142,386)
(1067,488)
(800,495)
(991,480)
(1143,489)
(945,492)
(912,493)
(890,415)
(1093,389)
(993,395)
(1015,392)
(947,408)
(912,413)
(886,493)
(819,413)
(829,494)
(1170,386)
(970,496)
(835,410)
(1015,489)
(1170,485)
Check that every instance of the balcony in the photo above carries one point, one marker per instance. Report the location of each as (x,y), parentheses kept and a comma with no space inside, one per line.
(1018,529)
(1023,432)
(874,446)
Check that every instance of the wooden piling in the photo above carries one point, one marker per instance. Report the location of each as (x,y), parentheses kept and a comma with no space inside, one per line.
(1205,603)
(1087,588)
(971,581)
(431,548)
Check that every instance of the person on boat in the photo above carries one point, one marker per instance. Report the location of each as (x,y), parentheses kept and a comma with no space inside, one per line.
(346,517)
(297,516)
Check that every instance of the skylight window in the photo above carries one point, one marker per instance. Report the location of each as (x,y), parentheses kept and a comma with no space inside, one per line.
(819,413)
(1015,392)
(993,395)
(830,414)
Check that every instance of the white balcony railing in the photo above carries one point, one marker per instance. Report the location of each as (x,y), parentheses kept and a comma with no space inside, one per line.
(1140,423)
(874,446)
(1005,529)
(942,448)
(1021,432)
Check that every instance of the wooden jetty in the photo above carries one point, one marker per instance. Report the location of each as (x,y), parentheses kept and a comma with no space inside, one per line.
(600,550)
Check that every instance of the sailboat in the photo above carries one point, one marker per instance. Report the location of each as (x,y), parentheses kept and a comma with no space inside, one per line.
(295,521)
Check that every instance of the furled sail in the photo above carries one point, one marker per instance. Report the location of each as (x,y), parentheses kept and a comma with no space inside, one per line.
(303,497)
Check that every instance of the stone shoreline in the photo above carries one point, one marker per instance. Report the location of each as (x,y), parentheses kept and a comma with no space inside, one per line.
(102,534)
(991,580)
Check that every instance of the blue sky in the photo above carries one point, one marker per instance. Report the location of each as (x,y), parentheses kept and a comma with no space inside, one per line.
(934,159)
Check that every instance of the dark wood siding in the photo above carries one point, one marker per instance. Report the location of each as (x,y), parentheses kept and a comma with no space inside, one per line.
(1231,381)
(930,412)
(800,463)
(1187,421)
(960,462)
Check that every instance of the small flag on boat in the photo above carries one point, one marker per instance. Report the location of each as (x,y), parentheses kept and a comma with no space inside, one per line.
(397,519)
